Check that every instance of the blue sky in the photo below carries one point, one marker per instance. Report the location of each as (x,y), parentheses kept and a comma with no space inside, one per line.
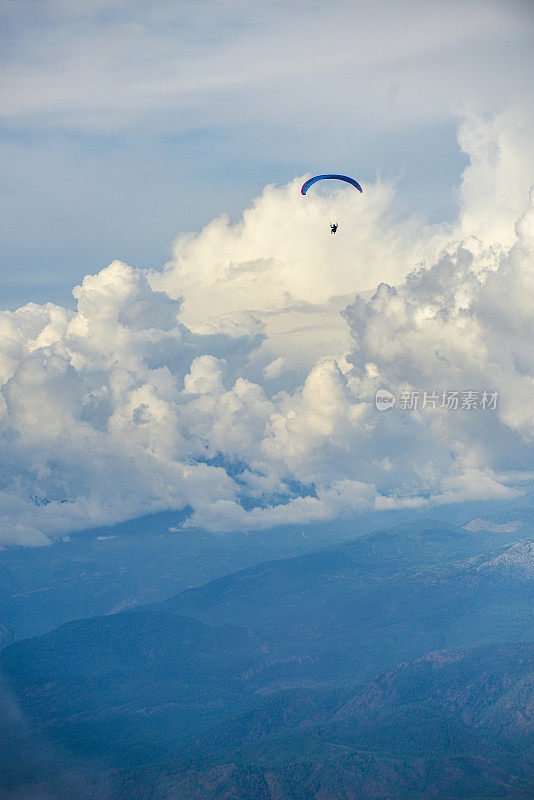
(123,126)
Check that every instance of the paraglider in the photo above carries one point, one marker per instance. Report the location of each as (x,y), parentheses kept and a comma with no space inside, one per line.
(311,181)
(346,178)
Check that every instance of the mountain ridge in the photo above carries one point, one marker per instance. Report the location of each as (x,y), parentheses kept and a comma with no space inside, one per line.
(304,638)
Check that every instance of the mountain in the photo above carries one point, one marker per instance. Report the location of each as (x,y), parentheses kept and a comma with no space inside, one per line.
(116,567)
(387,666)
(349,611)
(111,569)
(451,724)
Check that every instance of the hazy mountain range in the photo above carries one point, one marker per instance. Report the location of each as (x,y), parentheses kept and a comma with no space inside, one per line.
(396,664)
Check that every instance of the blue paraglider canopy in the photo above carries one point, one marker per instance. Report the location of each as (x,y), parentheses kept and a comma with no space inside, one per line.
(345,178)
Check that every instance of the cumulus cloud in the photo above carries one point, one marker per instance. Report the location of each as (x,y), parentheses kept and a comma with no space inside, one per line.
(281,264)
(497,181)
(239,382)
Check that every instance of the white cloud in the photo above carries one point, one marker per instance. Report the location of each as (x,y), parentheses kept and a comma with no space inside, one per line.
(275,368)
(496,182)
(230,382)
(281,264)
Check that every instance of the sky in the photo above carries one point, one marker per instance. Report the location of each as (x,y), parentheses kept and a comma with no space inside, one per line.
(180,329)
(123,124)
